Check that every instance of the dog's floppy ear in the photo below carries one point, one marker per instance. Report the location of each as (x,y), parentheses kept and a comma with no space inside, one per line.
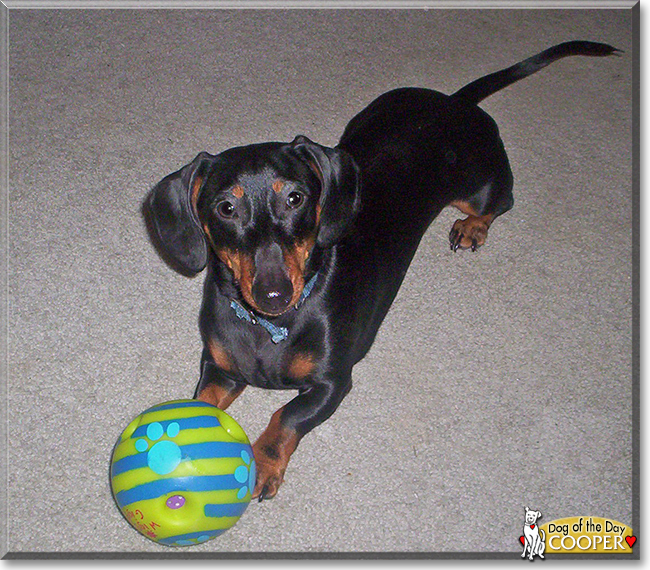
(340,194)
(169,211)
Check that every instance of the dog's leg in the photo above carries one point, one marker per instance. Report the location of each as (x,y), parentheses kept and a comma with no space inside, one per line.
(272,452)
(214,386)
(287,427)
(493,199)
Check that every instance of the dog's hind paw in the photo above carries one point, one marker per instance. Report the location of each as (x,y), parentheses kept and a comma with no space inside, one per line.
(469,233)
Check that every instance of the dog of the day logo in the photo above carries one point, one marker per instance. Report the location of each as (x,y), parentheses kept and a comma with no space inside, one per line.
(573,535)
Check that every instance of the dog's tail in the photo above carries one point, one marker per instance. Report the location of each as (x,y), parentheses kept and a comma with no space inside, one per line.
(478,90)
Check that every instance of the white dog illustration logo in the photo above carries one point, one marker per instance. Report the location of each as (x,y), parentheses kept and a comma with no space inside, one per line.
(533,542)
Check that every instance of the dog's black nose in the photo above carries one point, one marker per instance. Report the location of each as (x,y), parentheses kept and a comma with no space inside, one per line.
(272,293)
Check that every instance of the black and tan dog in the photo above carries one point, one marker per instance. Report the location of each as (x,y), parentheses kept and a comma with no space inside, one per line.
(306,246)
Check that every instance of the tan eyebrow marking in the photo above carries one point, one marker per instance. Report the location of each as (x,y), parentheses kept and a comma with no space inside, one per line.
(238,191)
(277,186)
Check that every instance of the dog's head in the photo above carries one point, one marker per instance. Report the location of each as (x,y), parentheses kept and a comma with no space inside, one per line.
(532,516)
(261,209)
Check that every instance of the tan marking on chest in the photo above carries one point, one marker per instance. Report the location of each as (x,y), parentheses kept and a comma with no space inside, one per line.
(220,356)
(301,366)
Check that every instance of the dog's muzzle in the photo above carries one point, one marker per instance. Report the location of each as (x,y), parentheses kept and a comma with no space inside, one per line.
(272,289)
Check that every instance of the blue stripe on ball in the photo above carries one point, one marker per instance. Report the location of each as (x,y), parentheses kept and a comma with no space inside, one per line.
(213,449)
(192,537)
(175,405)
(161,487)
(226,510)
(208,450)
(197,422)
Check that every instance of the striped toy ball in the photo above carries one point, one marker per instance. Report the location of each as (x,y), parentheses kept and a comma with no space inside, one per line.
(182,472)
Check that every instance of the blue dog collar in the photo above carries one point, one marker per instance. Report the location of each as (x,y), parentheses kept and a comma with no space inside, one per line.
(278,334)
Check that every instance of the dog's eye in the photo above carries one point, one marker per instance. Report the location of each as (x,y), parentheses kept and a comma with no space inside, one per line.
(294,199)
(226,209)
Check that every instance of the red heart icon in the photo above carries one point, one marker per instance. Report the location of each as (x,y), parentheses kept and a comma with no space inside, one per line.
(532,526)
(522,539)
(630,540)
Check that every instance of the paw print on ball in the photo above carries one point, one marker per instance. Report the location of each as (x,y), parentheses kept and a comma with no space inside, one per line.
(245,474)
(164,456)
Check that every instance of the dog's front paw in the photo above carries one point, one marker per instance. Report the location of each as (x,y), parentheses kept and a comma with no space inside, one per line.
(469,233)
(270,474)
(272,452)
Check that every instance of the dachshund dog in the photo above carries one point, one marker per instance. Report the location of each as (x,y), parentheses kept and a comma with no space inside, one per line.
(306,246)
